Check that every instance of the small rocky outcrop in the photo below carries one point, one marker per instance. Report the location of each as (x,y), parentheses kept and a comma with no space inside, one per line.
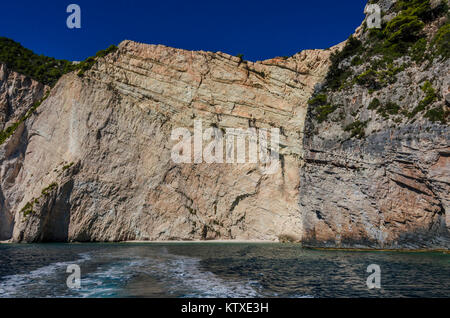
(17,94)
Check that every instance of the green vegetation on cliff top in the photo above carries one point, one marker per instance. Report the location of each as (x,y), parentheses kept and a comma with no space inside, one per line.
(46,70)
(43,69)
(379,53)
(90,61)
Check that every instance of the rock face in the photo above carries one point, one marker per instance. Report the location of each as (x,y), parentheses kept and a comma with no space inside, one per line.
(391,190)
(17,94)
(364,163)
(94,163)
(377,167)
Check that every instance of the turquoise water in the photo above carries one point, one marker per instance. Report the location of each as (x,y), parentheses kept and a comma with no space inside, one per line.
(216,270)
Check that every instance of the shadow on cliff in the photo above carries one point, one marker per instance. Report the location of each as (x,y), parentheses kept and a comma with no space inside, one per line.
(6,220)
(56,226)
(13,152)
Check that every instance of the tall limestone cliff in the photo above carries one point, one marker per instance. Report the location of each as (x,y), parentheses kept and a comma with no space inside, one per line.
(364,147)
(94,161)
(18,93)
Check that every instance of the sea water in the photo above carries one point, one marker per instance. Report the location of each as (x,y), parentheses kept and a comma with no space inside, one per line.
(217,270)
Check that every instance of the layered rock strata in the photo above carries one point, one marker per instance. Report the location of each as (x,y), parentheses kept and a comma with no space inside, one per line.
(94,163)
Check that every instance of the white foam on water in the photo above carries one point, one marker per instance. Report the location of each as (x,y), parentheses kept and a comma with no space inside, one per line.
(18,284)
(108,280)
(184,276)
(179,275)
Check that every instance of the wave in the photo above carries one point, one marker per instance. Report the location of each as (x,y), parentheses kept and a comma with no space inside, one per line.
(113,275)
(108,281)
(20,285)
(179,276)
(184,278)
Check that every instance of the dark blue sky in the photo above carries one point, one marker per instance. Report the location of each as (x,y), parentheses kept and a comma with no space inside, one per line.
(258,29)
